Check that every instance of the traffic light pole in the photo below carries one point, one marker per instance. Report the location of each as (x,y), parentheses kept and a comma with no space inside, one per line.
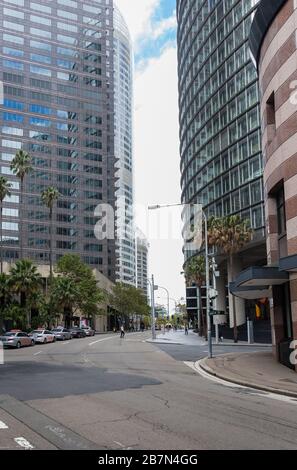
(209,336)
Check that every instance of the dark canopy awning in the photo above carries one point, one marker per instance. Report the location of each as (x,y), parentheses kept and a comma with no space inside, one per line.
(288,264)
(256,276)
(250,293)
(255,282)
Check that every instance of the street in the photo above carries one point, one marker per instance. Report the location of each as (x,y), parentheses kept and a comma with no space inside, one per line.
(111,393)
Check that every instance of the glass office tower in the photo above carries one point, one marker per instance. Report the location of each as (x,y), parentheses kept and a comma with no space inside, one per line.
(57,71)
(220,141)
(123,96)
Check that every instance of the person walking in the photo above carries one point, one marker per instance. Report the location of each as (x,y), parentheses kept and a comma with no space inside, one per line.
(186,330)
(122,332)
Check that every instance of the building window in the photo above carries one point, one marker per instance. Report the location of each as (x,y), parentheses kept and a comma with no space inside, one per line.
(270,116)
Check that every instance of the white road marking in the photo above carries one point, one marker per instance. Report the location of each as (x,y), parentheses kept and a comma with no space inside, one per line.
(22,442)
(100,340)
(36,354)
(67,342)
(122,445)
(3,425)
(254,391)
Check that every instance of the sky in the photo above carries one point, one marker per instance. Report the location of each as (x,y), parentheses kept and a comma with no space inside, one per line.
(152,24)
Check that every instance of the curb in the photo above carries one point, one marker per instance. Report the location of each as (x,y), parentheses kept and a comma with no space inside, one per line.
(264,388)
(162,342)
(245,345)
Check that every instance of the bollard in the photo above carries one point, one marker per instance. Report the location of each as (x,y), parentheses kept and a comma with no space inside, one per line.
(250,330)
(1,353)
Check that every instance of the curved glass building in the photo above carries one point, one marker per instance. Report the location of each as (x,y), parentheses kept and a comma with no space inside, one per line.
(123,87)
(220,137)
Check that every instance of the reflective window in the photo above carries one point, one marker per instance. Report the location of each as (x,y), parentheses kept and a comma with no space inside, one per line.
(13,52)
(12,117)
(40,7)
(15,39)
(67,27)
(40,70)
(37,108)
(41,45)
(40,58)
(41,32)
(40,20)
(13,104)
(67,14)
(15,26)
(13,64)
(14,13)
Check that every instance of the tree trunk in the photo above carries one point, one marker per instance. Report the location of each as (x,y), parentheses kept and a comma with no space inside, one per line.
(233,305)
(1,238)
(21,219)
(51,245)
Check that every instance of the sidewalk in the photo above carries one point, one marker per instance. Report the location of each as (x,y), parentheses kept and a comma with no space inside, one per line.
(178,337)
(256,370)
(193,339)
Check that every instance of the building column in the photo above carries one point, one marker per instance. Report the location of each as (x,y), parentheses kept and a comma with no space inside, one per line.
(221,299)
(239,303)
(293,289)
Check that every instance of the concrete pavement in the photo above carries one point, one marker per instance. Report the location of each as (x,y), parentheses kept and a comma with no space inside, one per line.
(193,339)
(130,394)
(257,370)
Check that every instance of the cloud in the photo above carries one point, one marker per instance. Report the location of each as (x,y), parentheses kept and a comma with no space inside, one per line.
(138,14)
(152,24)
(164,26)
(157,176)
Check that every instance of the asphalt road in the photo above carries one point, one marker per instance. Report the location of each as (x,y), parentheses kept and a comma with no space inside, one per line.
(108,393)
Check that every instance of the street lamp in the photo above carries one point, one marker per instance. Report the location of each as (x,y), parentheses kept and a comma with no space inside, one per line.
(153,312)
(209,337)
(168,306)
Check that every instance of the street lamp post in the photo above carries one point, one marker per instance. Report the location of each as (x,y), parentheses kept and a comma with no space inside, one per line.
(209,336)
(168,298)
(153,313)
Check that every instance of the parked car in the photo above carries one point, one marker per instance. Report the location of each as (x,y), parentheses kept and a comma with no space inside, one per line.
(77,332)
(61,334)
(16,339)
(89,331)
(43,336)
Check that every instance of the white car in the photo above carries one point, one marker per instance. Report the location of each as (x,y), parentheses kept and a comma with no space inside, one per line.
(43,336)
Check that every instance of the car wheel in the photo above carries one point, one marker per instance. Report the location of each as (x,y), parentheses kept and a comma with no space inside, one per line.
(18,345)
(44,341)
(54,339)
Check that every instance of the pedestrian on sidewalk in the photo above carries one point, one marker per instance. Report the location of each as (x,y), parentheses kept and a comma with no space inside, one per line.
(122,332)
(186,330)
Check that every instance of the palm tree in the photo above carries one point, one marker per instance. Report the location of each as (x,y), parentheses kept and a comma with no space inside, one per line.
(65,294)
(21,166)
(195,274)
(25,281)
(49,196)
(5,298)
(4,192)
(230,234)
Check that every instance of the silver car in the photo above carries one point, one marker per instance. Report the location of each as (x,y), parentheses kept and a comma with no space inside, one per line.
(88,330)
(16,339)
(43,336)
(61,334)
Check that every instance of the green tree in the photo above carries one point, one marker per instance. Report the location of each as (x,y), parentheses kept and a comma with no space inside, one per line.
(128,300)
(24,280)
(49,197)
(5,298)
(89,296)
(64,295)
(21,166)
(195,273)
(5,187)
(230,234)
